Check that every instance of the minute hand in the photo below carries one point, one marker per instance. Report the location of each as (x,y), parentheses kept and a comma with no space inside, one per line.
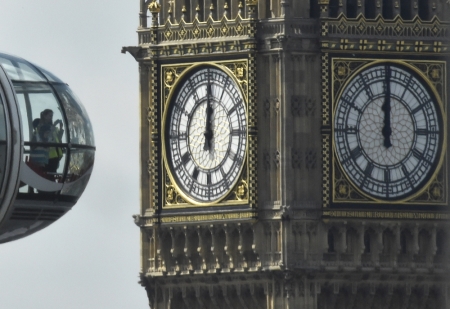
(387,131)
(208,128)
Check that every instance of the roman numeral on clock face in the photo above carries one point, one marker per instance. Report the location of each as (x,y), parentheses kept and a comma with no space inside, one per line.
(356,153)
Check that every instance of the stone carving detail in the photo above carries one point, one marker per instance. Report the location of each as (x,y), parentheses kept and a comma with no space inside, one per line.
(206,249)
(302,106)
(266,160)
(296,105)
(186,253)
(277,158)
(310,107)
(267,108)
(271,104)
(296,159)
(311,159)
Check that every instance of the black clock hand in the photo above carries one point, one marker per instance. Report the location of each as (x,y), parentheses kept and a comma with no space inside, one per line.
(209,111)
(387,131)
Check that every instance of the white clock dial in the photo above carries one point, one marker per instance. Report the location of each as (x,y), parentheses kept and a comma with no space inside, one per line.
(387,131)
(206,129)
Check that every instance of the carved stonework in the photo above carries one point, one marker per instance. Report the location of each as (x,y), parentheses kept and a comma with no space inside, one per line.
(296,158)
(311,159)
(302,106)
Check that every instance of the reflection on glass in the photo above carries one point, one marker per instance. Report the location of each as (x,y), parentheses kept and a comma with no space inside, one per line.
(48,172)
(18,69)
(80,169)
(9,68)
(50,76)
(80,128)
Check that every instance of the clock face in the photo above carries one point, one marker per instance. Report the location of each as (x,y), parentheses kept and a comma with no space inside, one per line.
(206,134)
(387,131)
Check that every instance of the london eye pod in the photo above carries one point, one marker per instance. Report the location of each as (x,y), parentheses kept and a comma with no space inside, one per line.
(47,148)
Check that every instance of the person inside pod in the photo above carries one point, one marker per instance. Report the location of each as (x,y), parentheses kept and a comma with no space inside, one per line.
(47,132)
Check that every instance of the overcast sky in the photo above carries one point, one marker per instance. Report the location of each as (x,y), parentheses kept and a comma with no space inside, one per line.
(88,259)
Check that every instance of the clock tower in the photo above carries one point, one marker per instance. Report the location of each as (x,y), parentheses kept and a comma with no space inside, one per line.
(294,154)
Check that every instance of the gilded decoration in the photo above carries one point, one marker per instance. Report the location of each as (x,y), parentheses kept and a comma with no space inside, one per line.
(397,35)
(386,215)
(241,193)
(204,29)
(208,217)
(194,38)
(154,7)
(342,190)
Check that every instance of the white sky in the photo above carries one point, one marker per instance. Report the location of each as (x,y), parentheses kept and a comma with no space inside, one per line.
(88,259)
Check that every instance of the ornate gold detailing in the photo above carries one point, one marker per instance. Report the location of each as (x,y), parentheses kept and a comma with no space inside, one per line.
(210,28)
(241,190)
(382,35)
(154,7)
(251,2)
(245,189)
(170,77)
(240,72)
(326,176)
(224,31)
(172,196)
(325,90)
(342,70)
(386,215)
(153,161)
(208,217)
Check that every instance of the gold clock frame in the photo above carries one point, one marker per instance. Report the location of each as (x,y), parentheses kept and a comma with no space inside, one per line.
(171,77)
(435,191)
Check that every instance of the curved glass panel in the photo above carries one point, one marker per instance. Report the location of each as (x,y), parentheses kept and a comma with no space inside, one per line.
(50,76)
(19,69)
(39,108)
(80,127)
(3,146)
(79,170)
